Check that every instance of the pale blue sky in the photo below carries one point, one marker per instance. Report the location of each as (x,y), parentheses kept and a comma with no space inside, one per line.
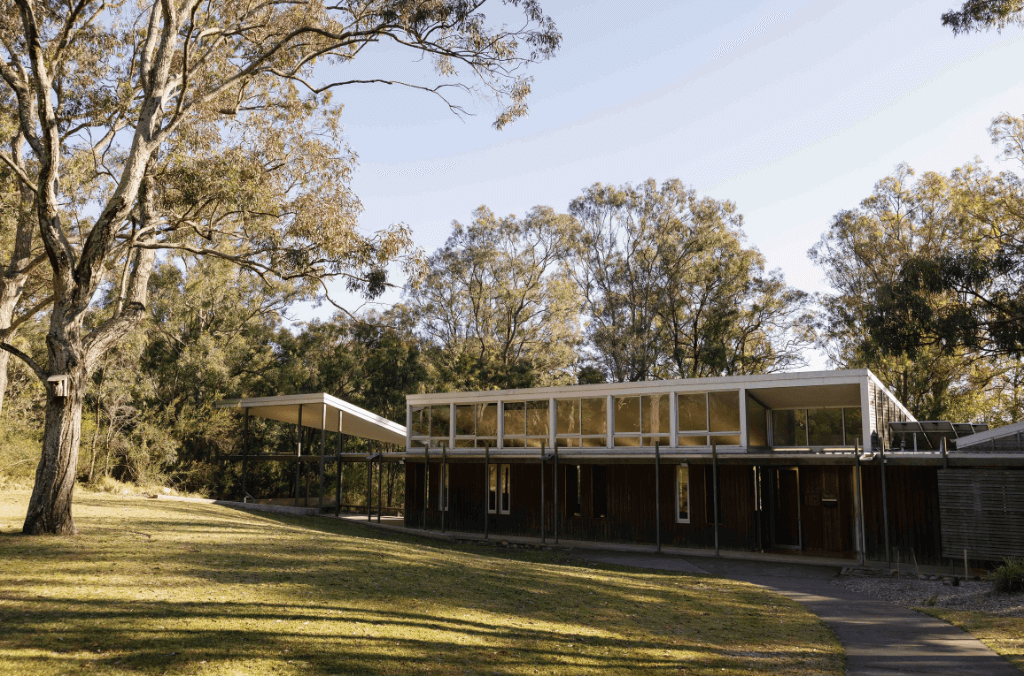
(792,110)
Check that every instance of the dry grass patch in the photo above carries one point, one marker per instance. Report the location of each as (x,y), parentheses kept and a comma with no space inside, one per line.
(159,587)
(1005,635)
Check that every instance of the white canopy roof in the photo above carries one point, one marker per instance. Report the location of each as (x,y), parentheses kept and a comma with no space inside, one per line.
(355,421)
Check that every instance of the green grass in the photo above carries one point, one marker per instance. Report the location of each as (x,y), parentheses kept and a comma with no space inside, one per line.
(160,587)
(1005,635)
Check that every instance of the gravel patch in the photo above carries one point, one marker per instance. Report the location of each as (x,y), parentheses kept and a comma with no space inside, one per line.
(909,592)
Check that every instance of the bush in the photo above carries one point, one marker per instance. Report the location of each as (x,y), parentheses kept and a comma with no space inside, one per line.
(1009,577)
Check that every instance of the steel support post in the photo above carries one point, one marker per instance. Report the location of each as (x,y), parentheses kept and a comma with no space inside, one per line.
(380,485)
(542,524)
(245,454)
(714,482)
(555,513)
(487,492)
(298,463)
(426,483)
(340,443)
(885,506)
(323,451)
(369,485)
(657,494)
(441,494)
(858,505)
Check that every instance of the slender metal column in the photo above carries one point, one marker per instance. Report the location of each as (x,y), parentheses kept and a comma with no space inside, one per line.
(542,524)
(323,451)
(657,493)
(369,485)
(714,487)
(487,492)
(341,443)
(556,513)
(298,463)
(245,451)
(443,499)
(945,452)
(380,479)
(885,506)
(426,483)
(858,507)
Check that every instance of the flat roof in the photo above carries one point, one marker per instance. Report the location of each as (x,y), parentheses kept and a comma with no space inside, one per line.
(355,421)
(799,389)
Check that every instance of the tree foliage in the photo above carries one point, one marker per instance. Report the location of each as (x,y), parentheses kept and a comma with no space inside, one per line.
(670,290)
(979,15)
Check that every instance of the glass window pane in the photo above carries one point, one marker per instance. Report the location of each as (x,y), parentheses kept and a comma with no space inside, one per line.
(439,421)
(465,420)
(724,410)
(757,424)
(627,415)
(487,420)
(506,488)
(651,441)
(492,489)
(627,441)
(537,421)
(421,422)
(825,426)
(789,428)
(515,418)
(682,493)
(693,412)
(465,443)
(594,442)
(567,442)
(853,426)
(726,439)
(685,440)
(536,442)
(486,442)
(567,416)
(594,416)
(514,442)
(655,413)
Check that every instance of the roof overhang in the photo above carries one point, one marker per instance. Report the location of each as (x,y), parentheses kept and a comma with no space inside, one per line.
(321,411)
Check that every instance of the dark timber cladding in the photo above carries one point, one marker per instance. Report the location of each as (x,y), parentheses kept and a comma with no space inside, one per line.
(826,463)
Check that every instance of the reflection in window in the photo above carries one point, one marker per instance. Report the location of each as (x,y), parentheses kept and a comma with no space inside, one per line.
(789,428)
(693,412)
(682,494)
(647,415)
(440,423)
(825,427)
(526,424)
(499,493)
(757,423)
(581,422)
(817,427)
(724,411)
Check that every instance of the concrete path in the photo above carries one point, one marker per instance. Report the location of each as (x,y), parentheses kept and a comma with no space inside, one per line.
(880,639)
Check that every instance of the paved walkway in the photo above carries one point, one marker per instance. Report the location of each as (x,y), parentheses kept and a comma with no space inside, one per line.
(880,639)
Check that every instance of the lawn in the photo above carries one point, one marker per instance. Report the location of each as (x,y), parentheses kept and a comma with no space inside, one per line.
(160,587)
(1005,635)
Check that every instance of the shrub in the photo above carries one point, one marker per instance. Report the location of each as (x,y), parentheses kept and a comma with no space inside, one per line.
(1009,577)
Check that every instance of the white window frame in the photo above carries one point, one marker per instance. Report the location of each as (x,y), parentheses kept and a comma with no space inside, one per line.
(689,505)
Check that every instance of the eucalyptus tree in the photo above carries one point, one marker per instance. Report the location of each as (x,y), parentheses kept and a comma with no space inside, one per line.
(671,291)
(208,128)
(495,306)
(881,317)
(979,15)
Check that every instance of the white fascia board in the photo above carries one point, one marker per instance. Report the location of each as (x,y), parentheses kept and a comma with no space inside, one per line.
(889,394)
(283,408)
(843,377)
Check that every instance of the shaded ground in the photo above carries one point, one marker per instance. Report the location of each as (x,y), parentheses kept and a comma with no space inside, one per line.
(879,638)
(158,587)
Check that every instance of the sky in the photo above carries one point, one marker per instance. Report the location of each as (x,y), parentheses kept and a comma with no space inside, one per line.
(792,110)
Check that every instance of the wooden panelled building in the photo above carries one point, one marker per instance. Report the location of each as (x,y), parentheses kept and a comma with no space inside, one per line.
(758,463)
